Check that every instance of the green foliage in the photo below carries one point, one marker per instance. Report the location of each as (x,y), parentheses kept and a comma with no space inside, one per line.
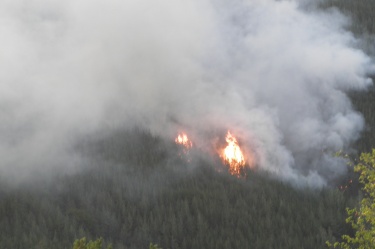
(154,246)
(170,203)
(82,244)
(362,218)
(97,244)
(135,194)
(140,197)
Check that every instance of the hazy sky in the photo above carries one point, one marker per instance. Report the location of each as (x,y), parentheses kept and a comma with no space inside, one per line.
(273,73)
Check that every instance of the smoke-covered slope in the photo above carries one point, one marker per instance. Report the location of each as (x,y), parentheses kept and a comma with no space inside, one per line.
(273,72)
(139,196)
(73,69)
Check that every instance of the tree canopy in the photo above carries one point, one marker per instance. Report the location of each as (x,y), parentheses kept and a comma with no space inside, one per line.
(83,244)
(362,218)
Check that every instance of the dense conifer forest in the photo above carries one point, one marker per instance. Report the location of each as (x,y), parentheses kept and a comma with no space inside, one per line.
(363,26)
(151,199)
(135,191)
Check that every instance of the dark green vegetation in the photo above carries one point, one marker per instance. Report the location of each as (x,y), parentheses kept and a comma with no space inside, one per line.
(363,19)
(133,193)
(84,244)
(148,200)
(364,102)
(363,26)
(361,12)
(362,218)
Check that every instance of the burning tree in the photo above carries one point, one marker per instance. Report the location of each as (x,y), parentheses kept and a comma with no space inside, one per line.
(183,139)
(233,156)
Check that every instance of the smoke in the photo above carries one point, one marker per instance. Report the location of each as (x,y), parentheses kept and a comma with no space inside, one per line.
(272,72)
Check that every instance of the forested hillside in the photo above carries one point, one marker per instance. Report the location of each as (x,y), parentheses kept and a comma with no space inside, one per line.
(138,188)
(363,26)
(362,20)
(151,199)
(365,103)
(360,11)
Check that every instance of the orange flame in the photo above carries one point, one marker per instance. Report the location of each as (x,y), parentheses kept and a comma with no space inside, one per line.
(233,156)
(183,139)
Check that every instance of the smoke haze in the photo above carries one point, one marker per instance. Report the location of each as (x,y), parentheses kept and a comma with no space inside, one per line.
(272,72)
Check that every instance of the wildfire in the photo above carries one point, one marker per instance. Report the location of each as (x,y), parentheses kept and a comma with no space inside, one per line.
(183,139)
(345,187)
(233,156)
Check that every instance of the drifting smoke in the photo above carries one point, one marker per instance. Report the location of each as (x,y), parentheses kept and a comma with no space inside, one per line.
(274,73)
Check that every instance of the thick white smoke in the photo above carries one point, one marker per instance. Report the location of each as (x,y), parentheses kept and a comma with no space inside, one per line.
(270,71)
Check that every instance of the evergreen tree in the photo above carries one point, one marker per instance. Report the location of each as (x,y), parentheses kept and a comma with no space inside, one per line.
(82,244)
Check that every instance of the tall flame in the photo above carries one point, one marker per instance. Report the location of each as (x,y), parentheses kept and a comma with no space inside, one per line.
(183,139)
(233,156)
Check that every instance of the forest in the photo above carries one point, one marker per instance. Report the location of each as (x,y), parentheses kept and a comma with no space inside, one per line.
(178,208)
(136,192)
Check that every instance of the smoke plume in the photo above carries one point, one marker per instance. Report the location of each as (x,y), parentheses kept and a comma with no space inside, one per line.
(273,72)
